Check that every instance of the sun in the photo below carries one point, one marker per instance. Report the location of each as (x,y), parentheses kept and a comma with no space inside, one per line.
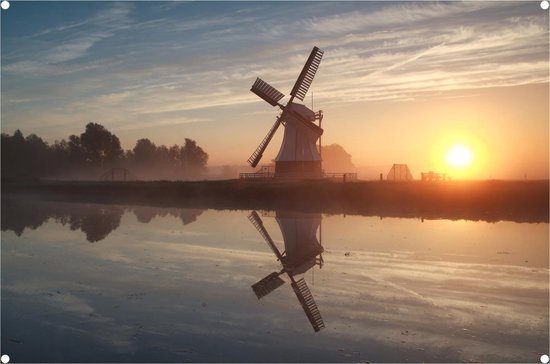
(459,156)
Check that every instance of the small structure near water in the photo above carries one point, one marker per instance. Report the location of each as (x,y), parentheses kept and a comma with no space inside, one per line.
(432,176)
(399,172)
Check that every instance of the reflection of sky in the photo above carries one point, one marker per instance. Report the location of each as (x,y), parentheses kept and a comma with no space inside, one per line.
(165,291)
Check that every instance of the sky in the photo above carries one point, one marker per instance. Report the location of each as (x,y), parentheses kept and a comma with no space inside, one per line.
(400,82)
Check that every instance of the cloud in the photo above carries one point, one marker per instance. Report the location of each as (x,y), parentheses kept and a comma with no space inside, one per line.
(32,68)
(74,49)
(402,15)
(69,42)
(507,54)
(122,68)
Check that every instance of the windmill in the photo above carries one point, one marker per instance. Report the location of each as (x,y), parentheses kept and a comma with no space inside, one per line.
(300,255)
(298,155)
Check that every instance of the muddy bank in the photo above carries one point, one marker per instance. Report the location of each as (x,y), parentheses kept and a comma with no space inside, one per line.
(520,201)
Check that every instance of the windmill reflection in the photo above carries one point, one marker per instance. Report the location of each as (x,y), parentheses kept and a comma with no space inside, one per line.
(302,252)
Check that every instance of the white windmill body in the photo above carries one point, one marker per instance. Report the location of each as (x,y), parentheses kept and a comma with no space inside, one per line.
(298,156)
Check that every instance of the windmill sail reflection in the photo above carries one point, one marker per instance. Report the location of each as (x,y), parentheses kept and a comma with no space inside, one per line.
(302,252)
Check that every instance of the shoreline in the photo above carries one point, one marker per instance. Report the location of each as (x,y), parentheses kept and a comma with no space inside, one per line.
(492,200)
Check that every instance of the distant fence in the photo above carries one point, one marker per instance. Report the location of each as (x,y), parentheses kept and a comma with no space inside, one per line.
(117,174)
(344,177)
(256,175)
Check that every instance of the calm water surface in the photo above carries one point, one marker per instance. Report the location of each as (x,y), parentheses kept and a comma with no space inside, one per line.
(85,282)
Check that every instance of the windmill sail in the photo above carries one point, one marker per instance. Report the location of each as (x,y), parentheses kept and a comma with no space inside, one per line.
(308,304)
(266,92)
(308,72)
(259,225)
(259,152)
(291,263)
(267,285)
(298,156)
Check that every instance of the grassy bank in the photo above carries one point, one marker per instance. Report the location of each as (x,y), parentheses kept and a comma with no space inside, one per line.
(521,201)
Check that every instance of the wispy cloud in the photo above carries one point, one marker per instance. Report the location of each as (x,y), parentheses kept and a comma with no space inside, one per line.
(69,42)
(402,15)
(512,53)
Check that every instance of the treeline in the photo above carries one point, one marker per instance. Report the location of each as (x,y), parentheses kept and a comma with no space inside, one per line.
(94,152)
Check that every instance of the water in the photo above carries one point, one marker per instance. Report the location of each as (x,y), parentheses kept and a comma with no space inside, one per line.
(85,282)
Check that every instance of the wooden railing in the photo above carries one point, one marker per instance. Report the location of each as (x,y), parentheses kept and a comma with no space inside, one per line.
(256,175)
(344,177)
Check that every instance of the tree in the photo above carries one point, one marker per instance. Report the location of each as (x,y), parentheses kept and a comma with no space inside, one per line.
(144,151)
(37,155)
(24,158)
(32,158)
(336,159)
(60,151)
(193,158)
(99,145)
(77,154)
(13,149)
(174,154)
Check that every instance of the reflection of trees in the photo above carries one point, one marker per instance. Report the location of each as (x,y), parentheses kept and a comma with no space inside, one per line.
(145,214)
(97,221)
(17,215)
(188,216)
